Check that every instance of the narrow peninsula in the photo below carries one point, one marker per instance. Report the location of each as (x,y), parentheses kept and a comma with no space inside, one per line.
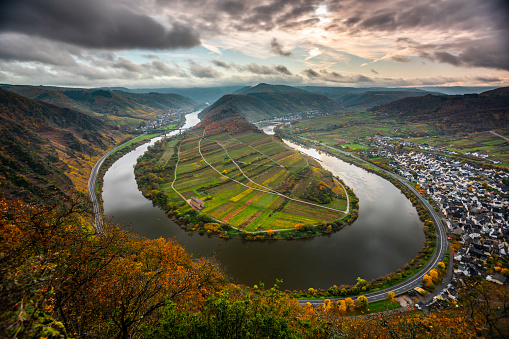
(227,177)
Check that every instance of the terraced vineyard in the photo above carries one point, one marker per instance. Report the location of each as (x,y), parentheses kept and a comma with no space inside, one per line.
(247,180)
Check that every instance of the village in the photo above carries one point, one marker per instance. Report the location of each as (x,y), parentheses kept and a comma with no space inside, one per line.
(171,117)
(472,200)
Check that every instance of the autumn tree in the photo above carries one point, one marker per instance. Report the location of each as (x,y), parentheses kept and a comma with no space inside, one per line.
(341,306)
(434,275)
(349,304)
(235,313)
(362,301)
(391,296)
(428,282)
(59,278)
(486,306)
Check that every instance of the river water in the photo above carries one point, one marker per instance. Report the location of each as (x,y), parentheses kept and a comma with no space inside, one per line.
(387,234)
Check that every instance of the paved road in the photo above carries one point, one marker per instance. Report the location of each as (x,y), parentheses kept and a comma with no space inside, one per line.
(437,257)
(98,218)
(498,135)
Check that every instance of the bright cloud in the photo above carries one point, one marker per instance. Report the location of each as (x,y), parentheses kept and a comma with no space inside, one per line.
(85,43)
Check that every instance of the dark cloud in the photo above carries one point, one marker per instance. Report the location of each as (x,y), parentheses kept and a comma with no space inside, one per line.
(488,79)
(331,75)
(162,67)
(327,76)
(254,68)
(14,47)
(282,69)
(201,71)
(382,21)
(323,74)
(400,58)
(277,48)
(468,53)
(363,78)
(311,73)
(231,7)
(221,64)
(373,71)
(263,70)
(93,23)
(447,58)
(352,21)
(127,65)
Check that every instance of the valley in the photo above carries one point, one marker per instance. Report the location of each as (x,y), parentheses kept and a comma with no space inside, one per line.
(250,181)
(254,169)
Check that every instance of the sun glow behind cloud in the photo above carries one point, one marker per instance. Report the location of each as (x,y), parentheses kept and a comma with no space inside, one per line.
(406,42)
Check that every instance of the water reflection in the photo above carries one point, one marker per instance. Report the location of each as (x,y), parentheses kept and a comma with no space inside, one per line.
(387,234)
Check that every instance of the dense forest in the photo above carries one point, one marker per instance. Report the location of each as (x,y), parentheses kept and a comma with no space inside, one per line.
(113,107)
(453,113)
(59,279)
(265,101)
(47,149)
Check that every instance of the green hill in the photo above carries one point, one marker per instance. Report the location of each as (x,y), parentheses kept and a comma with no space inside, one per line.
(362,98)
(113,107)
(269,101)
(47,150)
(453,113)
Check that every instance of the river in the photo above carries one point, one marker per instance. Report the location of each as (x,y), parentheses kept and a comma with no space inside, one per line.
(387,234)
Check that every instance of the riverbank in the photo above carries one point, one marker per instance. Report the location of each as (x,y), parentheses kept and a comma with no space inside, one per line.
(247,185)
(382,239)
(428,257)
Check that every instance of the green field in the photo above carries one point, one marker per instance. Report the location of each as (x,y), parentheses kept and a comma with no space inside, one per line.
(354,131)
(249,181)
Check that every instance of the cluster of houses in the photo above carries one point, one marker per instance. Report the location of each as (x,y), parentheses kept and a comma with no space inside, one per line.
(171,117)
(294,116)
(473,200)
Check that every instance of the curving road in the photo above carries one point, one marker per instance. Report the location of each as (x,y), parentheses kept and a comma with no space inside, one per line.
(438,255)
(98,218)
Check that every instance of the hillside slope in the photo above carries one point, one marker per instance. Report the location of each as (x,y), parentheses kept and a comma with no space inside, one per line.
(270,101)
(453,113)
(224,119)
(362,98)
(113,107)
(47,150)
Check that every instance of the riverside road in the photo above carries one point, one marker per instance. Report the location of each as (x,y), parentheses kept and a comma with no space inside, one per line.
(438,255)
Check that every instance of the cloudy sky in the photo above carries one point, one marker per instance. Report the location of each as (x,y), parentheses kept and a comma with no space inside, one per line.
(197,43)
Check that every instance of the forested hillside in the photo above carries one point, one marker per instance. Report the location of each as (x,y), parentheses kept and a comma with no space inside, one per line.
(47,149)
(453,113)
(270,101)
(60,279)
(362,98)
(224,119)
(113,107)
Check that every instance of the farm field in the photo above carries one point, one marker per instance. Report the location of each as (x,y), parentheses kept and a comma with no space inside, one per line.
(249,180)
(355,132)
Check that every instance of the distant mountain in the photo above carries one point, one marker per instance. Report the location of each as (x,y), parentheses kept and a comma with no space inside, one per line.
(200,94)
(362,98)
(160,101)
(374,98)
(113,107)
(268,101)
(453,113)
(458,90)
(44,146)
(266,88)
